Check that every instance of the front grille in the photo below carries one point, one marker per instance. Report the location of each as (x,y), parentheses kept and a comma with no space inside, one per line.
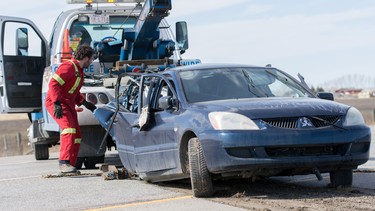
(322,150)
(296,151)
(283,122)
(323,121)
(292,122)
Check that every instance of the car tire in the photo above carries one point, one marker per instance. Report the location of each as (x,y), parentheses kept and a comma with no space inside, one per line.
(342,177)
(200,177)
(90,162)
(41,151)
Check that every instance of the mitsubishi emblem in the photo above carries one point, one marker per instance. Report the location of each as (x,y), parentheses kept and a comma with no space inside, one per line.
(305,122)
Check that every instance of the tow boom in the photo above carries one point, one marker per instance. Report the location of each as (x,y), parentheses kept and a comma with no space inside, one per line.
(142,41)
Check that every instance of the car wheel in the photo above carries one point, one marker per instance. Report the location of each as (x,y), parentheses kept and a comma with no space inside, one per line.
(79,162)
(343,177)
(41,151)
(90,162)
(200,177)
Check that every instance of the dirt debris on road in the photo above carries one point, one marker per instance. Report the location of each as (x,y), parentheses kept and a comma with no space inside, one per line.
(274,195)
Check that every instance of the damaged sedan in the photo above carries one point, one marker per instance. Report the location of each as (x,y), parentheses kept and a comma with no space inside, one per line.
(216,121)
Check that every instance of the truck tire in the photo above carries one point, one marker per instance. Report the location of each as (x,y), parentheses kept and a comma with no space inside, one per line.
(41,151)
(200,177)
(90,162)
(342,177)
(79,162)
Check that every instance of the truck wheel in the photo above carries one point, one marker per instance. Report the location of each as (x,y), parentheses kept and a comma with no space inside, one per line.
(79,162)
(41,151)
(90,162)
(200,177)
(343,177)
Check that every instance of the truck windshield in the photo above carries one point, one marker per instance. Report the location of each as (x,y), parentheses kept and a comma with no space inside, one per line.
(236,83)
(84,32)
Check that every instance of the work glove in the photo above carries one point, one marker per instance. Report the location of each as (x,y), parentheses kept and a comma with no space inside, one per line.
(57,110)
(89,105)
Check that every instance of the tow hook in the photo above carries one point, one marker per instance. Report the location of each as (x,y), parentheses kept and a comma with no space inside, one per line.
(317,174)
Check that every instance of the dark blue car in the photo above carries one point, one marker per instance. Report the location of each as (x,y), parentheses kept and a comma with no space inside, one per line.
(211,121)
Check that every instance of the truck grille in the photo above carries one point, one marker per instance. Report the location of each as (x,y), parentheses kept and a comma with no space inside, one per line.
(292,122)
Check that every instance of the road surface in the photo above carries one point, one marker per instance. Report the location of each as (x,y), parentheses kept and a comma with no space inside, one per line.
(25,184)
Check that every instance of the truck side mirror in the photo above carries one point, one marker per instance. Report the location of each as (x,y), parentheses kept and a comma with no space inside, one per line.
(22,42)
(325,96)
(182,36)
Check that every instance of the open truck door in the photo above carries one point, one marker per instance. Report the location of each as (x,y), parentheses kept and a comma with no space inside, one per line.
(23,56)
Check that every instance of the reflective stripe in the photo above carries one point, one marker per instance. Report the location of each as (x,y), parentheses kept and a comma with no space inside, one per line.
(71,91)
(75,85)
(69,131)
(77,141)
(58,79)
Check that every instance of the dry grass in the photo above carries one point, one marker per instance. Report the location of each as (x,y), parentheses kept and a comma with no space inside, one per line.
(10,126)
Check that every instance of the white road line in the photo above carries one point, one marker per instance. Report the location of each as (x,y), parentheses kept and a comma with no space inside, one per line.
(19,178)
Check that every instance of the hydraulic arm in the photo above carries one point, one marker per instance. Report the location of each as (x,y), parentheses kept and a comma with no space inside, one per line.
(142,41)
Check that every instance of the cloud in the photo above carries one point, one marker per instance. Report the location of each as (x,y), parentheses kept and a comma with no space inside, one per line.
(282,37)
(257,9)
(191,7)
(309,35)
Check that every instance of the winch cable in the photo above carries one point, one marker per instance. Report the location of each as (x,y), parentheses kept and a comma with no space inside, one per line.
(122,24)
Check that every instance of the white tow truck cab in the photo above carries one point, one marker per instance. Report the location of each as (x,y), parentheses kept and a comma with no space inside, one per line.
(27,62)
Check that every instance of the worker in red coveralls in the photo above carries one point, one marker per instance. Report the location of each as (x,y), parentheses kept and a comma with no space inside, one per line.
(62,97)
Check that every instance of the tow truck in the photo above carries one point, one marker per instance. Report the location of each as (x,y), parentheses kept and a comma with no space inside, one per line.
(127,36)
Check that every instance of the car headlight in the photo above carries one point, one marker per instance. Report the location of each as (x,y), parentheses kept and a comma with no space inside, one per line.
(353,117)
(231,121)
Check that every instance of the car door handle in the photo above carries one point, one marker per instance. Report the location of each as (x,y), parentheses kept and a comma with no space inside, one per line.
(24,83)
(135,126)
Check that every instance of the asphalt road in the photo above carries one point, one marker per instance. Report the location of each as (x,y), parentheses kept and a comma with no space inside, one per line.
(25,185)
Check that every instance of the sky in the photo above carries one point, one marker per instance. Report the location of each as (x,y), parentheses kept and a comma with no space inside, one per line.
(326,41)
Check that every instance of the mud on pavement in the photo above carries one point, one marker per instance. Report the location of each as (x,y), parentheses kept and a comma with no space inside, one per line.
(303,193)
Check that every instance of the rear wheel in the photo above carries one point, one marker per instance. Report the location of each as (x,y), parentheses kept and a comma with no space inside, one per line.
(90,162)
(79,162)
(200,177)
(41,151)
(342,177)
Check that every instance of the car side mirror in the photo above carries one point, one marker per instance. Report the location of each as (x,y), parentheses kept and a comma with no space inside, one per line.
(166,102)
(325,96)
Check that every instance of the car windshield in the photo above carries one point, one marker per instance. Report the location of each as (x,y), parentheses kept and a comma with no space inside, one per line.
(236,83)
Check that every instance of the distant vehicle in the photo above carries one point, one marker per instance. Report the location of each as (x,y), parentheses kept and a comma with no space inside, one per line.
(210,121)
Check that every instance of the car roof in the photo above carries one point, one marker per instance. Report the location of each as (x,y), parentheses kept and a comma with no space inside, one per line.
(209,66)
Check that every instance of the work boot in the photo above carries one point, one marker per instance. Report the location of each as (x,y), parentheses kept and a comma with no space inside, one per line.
(67,168)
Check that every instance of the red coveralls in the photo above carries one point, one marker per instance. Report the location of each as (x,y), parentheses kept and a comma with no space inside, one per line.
(65,86)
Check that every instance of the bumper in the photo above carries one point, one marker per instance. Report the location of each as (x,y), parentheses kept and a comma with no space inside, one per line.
(274,151)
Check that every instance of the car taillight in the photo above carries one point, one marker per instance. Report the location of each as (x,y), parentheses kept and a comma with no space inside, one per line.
(92,98)
(103,98)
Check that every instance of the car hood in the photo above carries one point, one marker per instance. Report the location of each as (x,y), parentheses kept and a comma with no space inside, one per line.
(276,107)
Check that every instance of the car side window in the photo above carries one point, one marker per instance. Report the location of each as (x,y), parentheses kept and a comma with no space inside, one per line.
(21,39)
(155,88)
(164,91)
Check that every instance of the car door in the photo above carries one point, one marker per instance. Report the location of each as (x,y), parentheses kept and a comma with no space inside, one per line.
(23,57)
(155,145)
